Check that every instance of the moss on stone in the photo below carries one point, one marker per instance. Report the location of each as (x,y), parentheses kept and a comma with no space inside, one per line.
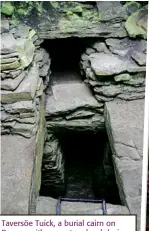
(129,4)
(10,66)
(54,4)
(69,12)
(78,9)
(122,77)
(7,8)
(133,28)
(22,11)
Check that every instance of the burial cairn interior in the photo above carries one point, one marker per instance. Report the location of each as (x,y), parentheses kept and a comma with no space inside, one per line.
(72,105)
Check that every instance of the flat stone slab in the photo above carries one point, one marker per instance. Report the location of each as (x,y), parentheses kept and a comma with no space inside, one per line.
(71,106)
(47,205)
(25,91)
(124,123)
(17,162)
(68,97)
(110,64)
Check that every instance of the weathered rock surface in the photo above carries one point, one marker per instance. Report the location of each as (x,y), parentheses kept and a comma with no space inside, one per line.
(124,123)
(22,87)
(17,168)
(73,107)
(116,69)
(65,20)
(112,11)
(48,206)
(136,24)
(53,167)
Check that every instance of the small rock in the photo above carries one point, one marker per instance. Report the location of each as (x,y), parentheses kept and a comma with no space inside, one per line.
(22,32)
(136,24)
(111,11)
(122,77)
(11,55)
(10,66)
(7,8)
(139,57)
(8,44)
(9,60)
(100,47)
(10,74)
(4,27)
(132,7)
(12,84)
(109,64)
(89,51)
(108,91)
(26,51)
(84,57)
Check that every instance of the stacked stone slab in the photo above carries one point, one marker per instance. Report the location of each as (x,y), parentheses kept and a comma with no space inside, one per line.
(71,107)
(21,84)
(53,167)
(22,109)
(115,69)
(43,59)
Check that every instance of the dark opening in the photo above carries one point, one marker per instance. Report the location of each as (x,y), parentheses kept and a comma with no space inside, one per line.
(65,57)
(84,173)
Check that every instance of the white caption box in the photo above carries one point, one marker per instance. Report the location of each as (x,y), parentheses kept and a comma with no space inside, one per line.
(68,223)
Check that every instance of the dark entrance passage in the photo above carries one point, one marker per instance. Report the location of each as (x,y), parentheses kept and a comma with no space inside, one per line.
(65,57)
(83,152)
(85,175)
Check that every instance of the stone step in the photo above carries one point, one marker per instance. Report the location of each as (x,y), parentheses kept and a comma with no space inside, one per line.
(47,205)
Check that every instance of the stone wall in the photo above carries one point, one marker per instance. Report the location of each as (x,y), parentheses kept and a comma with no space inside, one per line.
(53,182)
(114,69)
(25,69)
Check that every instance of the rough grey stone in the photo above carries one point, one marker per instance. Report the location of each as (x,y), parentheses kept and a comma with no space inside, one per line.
(108,91)
(22,32)
(109,64)
(9,60)
(139,57)
(4,27)
(10,74)
(124,123)
(101,47)
(96,123)
(132,7)
(16,172)
(111,11)
(89,51)
(101,98)
(136,24)
(53,166)
(20,107)
(69,97)
(12,84)
(48,206)
(8,44)
(25,91)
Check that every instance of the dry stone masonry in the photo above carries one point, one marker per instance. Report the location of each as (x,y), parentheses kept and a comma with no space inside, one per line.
(35,107)
(53,167)
(115,69)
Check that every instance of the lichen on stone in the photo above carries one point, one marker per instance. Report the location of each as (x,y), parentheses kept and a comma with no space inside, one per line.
(54,4)
(132,26)
(7,8)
